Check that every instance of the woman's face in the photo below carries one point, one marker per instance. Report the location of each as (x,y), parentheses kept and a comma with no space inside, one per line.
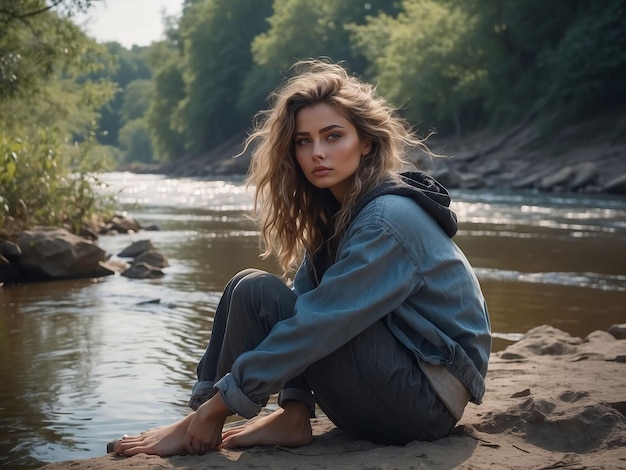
(328,148)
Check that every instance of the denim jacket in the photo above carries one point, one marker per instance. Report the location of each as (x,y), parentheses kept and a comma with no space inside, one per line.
(397,262)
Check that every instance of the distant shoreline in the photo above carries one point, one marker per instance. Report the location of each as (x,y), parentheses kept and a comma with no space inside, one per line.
(589,158)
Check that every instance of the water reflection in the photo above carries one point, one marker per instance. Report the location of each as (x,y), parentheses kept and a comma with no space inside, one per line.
(84,362)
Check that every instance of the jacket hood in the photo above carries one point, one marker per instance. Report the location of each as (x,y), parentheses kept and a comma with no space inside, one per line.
(431,195)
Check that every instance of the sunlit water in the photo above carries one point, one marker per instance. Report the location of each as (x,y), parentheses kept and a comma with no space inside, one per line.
(86,361)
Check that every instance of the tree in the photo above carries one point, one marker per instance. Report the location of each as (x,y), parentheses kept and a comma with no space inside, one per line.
(588,64)
(169,91)
(216,57)
(121,67)
(424,60)
(45,112)
(136,100)
(35,40)
(300,29)
(135,142)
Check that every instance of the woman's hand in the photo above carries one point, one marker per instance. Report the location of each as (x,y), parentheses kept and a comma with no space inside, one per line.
(204,433)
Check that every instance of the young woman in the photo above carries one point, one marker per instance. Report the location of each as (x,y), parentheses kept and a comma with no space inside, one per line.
(384,328)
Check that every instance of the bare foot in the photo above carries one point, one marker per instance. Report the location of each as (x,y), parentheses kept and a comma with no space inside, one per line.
(163,441)
(289,427)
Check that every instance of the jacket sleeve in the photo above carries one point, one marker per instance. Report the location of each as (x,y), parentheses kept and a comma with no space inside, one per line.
(350,297)
(303,281)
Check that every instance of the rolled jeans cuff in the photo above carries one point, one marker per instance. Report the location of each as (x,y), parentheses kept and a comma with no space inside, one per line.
(235,399)
(298,394)
(202,390)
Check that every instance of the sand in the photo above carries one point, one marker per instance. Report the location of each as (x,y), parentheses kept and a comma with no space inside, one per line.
(553,401)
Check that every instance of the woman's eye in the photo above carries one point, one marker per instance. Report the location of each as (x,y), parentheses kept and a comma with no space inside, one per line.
(333,136)
(302,141)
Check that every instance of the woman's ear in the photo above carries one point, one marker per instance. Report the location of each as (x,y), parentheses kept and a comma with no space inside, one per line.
(366,147)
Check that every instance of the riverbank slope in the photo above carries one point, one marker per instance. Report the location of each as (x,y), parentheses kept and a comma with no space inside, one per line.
(589,156)
(552,401)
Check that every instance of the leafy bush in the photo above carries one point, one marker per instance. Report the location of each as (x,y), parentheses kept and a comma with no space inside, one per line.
(45,181)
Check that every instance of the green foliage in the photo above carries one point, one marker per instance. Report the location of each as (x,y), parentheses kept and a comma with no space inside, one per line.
(48,110)
(455,65)
(125,67)
(459,64)
(215,60)
(587,66)
(136,100)
(301,29)
(425,60)
(46,181)
(169,90)
(135,142)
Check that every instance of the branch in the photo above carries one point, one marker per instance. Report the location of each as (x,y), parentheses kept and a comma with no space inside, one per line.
(37,12)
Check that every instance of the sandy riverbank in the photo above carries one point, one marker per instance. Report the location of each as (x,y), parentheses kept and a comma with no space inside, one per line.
(553,401)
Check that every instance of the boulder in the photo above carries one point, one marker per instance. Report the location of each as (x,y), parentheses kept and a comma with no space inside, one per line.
(493,167)
(560,179)
(9,273)
(472,181)
(616,185)
(153,258)
(55,253)
(11,251)
(527,182)
(585,174)
(143,271)
(136,248)
(618,331)
(122,224)
(449,177)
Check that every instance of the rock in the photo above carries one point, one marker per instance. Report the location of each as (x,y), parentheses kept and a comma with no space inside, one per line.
(585,174)
(491,168)
(88,233)
(9,273)
(11,251)
(559,179)
(153,258)
(472,181)
(616,185)
(618,331)
(527,182)
(122,224)
(136,248)
(448,177)
(115,266)
(55,253)
(143,271)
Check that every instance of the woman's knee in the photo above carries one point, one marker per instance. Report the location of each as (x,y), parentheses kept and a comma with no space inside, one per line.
(252,282)
(264,293)
(237,278)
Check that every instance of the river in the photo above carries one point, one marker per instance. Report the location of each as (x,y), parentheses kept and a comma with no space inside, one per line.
(85,361)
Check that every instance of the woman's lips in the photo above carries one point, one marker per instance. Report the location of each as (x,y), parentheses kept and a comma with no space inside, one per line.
(320,171)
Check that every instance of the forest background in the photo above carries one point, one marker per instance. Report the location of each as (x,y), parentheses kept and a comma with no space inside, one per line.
(71,107)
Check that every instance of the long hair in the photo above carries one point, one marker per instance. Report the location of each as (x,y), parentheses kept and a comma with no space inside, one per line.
(294,215)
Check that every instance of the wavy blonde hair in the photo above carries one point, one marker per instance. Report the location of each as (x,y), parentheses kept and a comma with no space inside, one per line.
(294,215)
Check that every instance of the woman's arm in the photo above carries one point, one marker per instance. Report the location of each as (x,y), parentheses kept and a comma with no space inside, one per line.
(372,276)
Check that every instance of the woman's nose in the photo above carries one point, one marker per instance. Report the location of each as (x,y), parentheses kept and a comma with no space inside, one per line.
(318,151)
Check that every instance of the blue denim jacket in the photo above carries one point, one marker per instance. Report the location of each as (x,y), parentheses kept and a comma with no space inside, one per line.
(395,262)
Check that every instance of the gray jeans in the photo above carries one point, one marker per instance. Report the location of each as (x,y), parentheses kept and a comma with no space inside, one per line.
(371,387)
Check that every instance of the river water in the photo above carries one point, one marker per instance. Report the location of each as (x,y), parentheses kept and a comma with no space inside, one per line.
(88,360)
